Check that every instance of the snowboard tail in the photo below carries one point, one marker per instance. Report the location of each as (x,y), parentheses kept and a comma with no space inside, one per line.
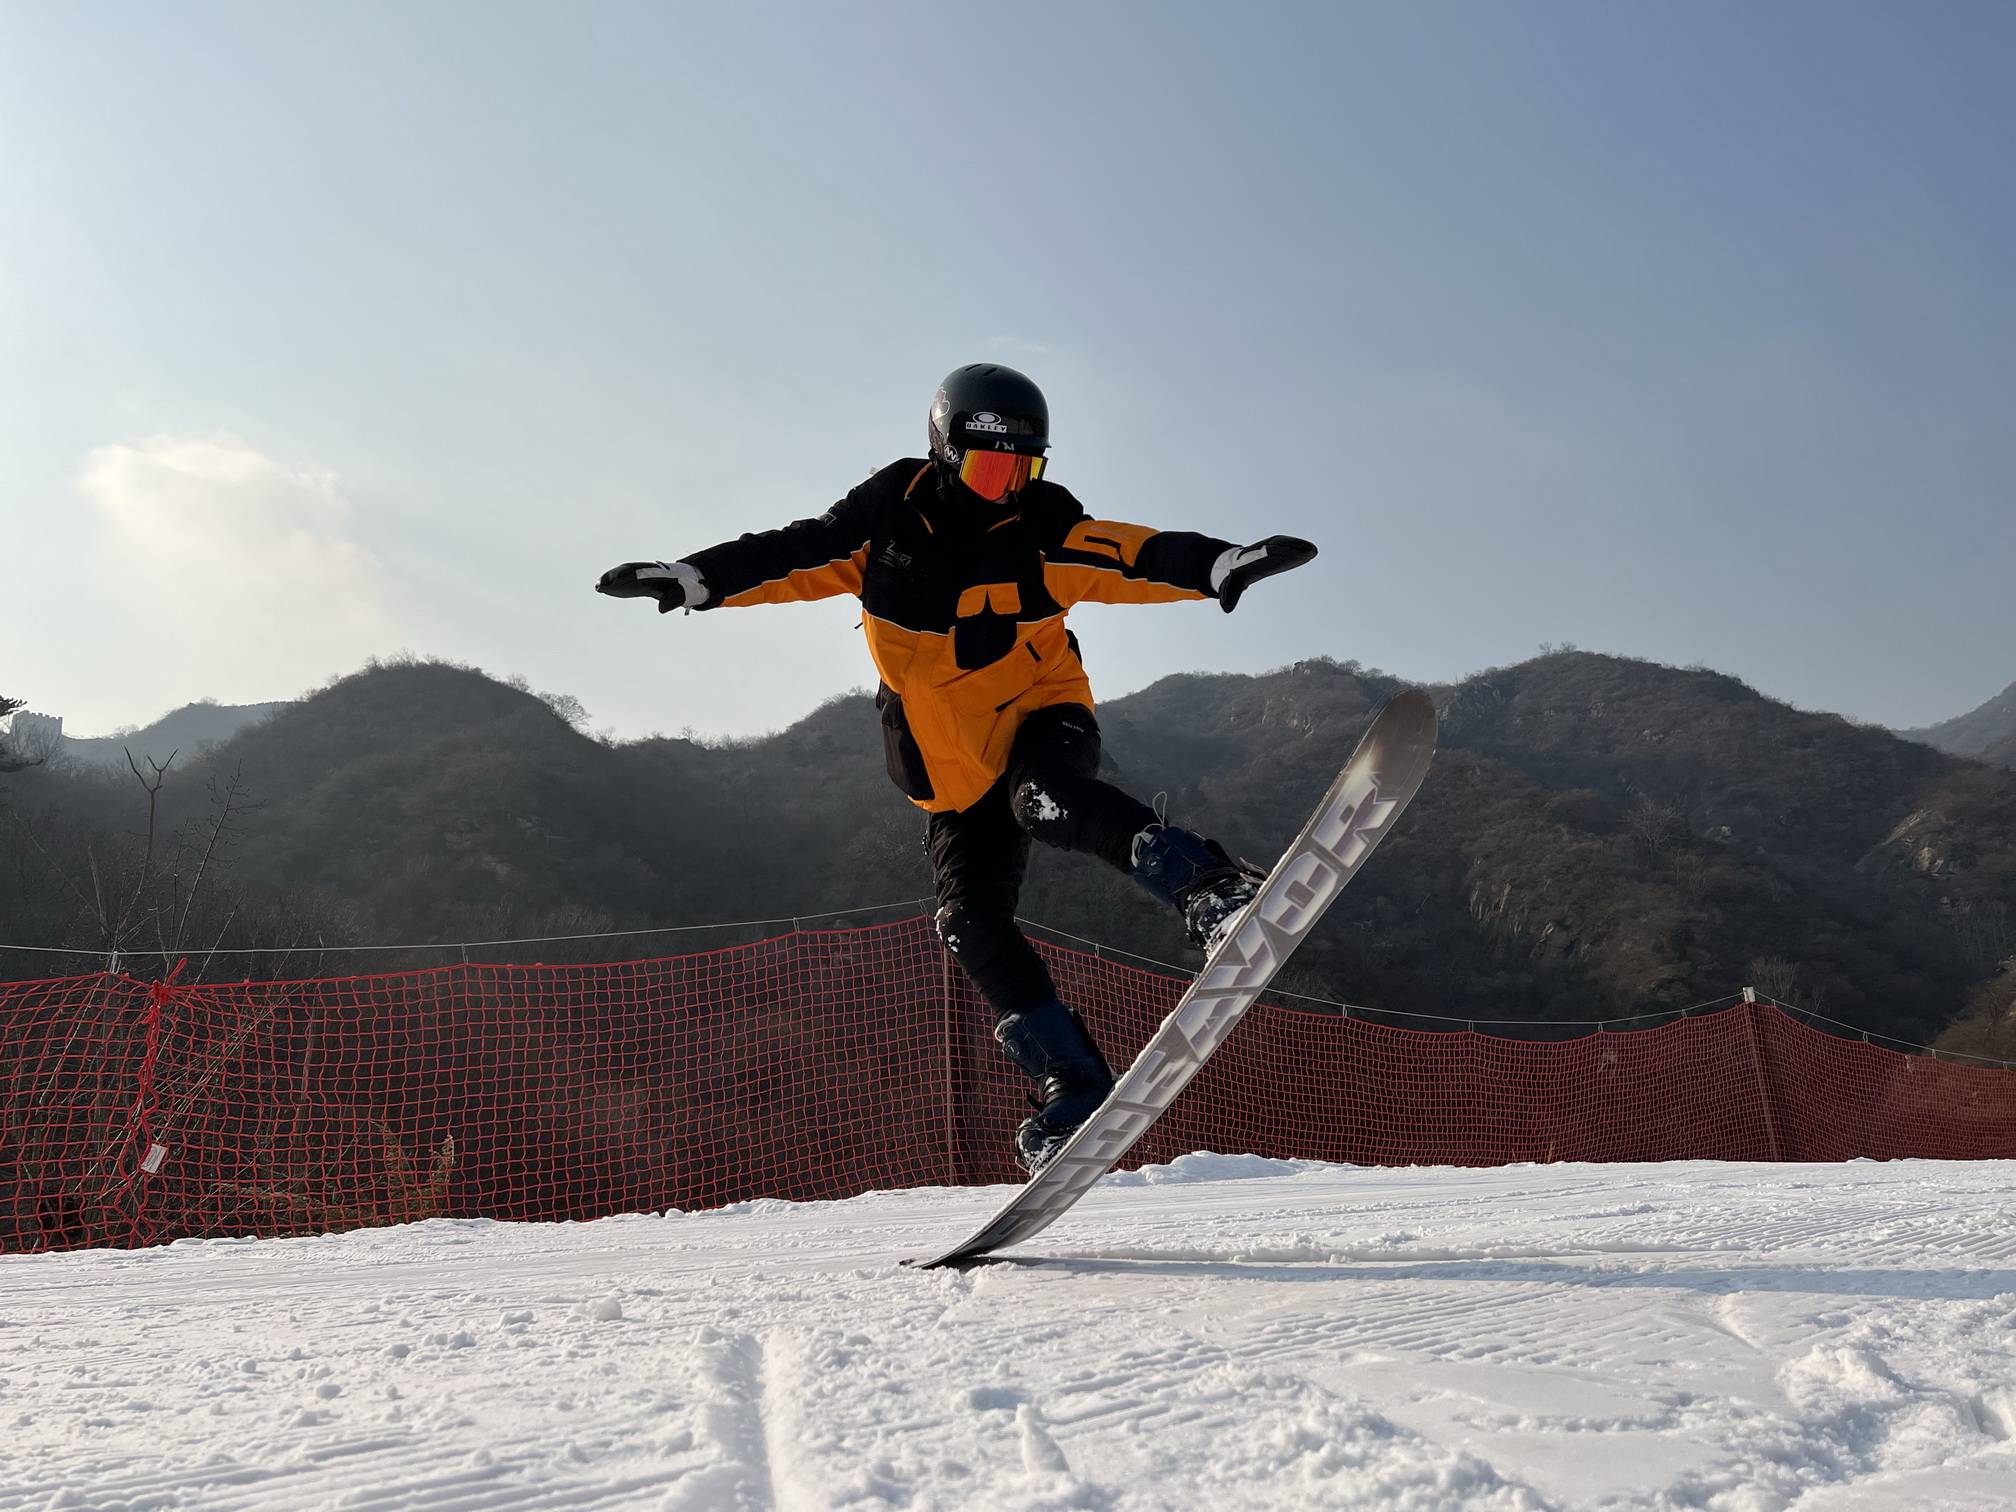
(1383,774)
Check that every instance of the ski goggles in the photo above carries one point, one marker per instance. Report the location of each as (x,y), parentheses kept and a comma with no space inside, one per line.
(997,474)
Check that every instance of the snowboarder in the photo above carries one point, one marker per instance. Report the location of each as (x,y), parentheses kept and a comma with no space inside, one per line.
(966,564)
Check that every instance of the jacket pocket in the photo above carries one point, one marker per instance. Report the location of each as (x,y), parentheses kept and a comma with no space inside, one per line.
(980,640)
(899,747)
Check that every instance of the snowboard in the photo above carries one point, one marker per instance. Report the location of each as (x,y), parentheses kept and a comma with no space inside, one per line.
(1355,815)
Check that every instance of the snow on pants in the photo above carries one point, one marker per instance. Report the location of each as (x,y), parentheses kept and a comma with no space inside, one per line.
(978,854)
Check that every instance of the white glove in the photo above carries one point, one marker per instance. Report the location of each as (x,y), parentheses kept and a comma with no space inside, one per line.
(1239,567)
(674,584)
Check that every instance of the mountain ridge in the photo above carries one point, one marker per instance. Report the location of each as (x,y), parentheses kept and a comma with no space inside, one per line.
(1600,836)
(186,729)
(1986,732)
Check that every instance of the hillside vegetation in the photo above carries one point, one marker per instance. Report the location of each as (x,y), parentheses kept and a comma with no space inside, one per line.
(1600,837)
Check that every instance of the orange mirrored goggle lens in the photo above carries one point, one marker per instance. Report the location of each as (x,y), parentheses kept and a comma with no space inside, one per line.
(996,474)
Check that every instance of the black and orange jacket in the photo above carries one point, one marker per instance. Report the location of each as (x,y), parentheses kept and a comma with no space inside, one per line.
(963,604)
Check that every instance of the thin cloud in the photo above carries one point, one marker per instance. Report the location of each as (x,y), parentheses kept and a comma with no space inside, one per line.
(245,560)
(1019,346)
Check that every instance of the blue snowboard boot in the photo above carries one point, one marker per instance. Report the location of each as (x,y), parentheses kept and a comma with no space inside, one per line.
(1072,1078)
(1197,877)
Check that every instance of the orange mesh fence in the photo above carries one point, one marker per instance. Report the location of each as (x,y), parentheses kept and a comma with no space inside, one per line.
(821,1063)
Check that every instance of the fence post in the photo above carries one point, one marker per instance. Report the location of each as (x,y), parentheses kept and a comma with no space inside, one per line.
(951,1103)
(139,1153)
(1751,1009)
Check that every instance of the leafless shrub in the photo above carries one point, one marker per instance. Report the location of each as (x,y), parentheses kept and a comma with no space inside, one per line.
(1654,824)
(1775,977)
(1986,933)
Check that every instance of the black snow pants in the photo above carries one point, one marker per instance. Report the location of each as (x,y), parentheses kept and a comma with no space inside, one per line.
(978,854)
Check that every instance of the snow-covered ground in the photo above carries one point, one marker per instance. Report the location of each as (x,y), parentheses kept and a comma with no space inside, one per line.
(1222,1332)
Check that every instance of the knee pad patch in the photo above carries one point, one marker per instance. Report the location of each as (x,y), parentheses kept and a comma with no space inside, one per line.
(1035,805)
(974,935)
(991,952)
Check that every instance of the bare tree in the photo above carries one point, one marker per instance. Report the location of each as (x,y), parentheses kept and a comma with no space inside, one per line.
(1692,871)
(147,891)
(1775,977)
(1653,823)
(1986,934)
(568,707)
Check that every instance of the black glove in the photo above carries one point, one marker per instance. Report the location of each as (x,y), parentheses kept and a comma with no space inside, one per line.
(673,584)
(1245,565)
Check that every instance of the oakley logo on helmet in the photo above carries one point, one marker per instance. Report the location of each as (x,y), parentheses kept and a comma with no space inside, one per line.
(984,404)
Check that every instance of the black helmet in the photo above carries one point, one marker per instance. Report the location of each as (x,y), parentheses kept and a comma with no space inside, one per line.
(986,407)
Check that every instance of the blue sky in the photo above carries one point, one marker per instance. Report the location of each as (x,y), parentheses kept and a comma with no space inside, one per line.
(1683,332)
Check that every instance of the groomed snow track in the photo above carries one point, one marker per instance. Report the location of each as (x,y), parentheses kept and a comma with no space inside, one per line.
(1223,1331)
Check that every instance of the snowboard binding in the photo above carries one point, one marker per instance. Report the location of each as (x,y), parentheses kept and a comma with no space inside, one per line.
(1050,1045)
(1197,878)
